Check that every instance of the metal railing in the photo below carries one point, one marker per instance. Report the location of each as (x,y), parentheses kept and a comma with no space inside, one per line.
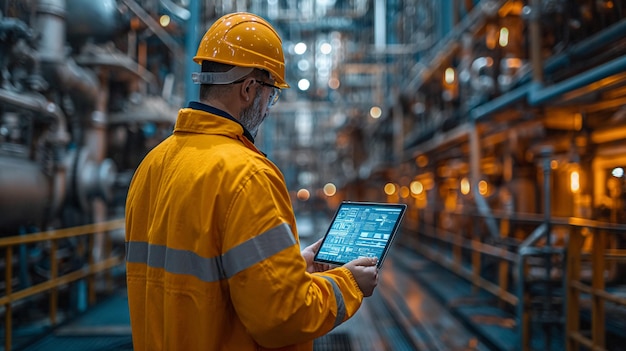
(591,289)
(559,262)
(52,285)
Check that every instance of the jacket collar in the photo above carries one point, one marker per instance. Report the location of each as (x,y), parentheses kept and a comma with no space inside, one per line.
(215,111)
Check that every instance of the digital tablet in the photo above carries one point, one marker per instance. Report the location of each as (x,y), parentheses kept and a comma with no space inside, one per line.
(360,229)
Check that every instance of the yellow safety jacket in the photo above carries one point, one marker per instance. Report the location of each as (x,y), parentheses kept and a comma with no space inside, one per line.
(212,251)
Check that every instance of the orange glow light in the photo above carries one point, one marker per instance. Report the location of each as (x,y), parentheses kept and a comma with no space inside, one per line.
(330,189)
(483,187)
(574,179)
(465,186)
(303,195)
(404,192)
(390,189)
(417,187)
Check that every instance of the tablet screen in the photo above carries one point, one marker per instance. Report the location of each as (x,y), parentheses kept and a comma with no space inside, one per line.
(360,229)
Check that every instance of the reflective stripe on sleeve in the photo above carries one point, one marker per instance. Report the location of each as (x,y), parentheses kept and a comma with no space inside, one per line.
(257,249)
(341,307)
(212,269)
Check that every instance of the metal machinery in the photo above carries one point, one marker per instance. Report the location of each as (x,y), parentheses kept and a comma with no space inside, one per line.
(77,110)
(501,124)
(513,151)
(83,96)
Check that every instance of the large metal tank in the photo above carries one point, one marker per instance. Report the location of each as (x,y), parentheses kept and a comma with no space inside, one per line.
(26,193)
(98,21)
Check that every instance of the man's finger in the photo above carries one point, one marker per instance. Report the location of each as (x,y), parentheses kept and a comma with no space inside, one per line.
(366,261)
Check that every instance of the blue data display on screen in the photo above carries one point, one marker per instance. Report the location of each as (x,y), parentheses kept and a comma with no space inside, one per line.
(359,231)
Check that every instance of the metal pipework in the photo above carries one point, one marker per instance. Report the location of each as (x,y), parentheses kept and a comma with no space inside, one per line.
(481,81)
(57,68)
(481,203)
(89,178)
(90,173)
(29,195)
(38,103)
(586,47)
(25,193)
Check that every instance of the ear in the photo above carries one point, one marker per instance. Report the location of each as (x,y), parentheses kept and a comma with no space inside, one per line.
(245,91)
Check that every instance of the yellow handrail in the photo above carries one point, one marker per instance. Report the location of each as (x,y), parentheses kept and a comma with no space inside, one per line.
(52,285)
(598,295)
(447,248)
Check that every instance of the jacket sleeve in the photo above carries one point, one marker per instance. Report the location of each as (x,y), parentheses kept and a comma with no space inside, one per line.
(278,302)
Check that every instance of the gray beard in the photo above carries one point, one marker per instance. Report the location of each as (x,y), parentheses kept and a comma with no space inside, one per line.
(251,118)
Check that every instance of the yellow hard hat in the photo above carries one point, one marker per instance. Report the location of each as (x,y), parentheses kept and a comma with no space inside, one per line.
(245,40)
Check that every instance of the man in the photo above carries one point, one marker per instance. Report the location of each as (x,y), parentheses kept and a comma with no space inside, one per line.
(213,257)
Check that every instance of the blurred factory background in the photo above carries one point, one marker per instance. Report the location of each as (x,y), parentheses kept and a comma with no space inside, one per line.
(500,123)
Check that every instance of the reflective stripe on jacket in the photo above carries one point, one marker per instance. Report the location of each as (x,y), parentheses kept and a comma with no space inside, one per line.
(213,258)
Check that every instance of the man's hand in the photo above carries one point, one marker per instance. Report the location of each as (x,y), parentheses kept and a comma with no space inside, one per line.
(365,273)
(309,253)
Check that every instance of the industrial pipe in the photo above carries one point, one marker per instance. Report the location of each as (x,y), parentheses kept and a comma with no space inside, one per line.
(540,96)
(56,67)
(536,94)
(587,47)
(501,102)
(475,174)
(38,103)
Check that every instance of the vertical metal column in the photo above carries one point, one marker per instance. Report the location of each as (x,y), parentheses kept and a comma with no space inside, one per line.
(380,25)
(572,297)
(446,17)
(475,177)
(8,290)
(546,154)
(535,41)
(191,45)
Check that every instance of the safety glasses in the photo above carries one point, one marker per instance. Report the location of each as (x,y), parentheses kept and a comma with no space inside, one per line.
(274,95)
